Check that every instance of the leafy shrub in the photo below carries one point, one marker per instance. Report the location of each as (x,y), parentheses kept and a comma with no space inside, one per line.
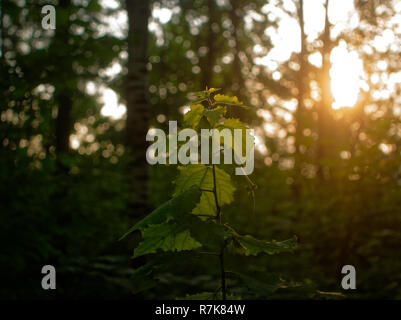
(193,219)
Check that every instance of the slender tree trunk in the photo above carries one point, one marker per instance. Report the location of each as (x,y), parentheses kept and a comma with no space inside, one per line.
(302,79)
(63,122)
(63,96)
(237,80)
(138,109)
(2,30)
(61,51)
(326,101)
(207,70)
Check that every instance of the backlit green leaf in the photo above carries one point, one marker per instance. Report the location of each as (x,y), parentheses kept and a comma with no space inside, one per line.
(199,96)
(202,176)
(190,175)
(192,117)
(214,115)
(206,206)
(175,207)
(221,98)
(243,143)
(166,237)
(250,246)
(211,90)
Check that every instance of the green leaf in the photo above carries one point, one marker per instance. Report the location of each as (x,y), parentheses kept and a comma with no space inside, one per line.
(188,233)
(221,98)
(205,92)
(233,123)
(214,115)
(175,207)
(202,176)
(209,234)
(206,206)
(248,245)
(199,96)
(190,175)
(211,90)
(192,117)
(204,95)
(224,189)
(167,237)
(240,145)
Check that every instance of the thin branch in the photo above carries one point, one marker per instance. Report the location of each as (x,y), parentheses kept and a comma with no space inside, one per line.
(221,255)
(223,276)
(218,209)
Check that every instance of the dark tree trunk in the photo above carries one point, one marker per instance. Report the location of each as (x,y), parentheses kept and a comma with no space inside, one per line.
(138,109)
(207,70)
(63,94)
(302,79)
(63,123)
(3,31)
(326,101)
(237,80)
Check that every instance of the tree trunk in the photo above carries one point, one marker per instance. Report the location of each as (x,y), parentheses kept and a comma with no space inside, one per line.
(2,30)
(63,123)
(237,81)
(63,96)
(207,70)
(302,78)
(138,109)
(326,101)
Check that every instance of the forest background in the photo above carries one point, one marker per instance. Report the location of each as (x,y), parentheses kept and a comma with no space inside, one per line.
(321,82)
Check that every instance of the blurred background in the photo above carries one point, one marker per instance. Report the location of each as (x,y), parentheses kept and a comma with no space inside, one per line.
(321,79)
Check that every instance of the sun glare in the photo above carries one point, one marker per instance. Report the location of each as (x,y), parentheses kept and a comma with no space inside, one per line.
(111,108)
(345,74)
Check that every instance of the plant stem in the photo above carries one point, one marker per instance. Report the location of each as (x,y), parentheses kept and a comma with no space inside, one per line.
(218,209)
(221,255)
(223,276)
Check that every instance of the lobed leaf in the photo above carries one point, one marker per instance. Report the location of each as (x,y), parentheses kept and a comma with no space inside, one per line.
(190,175)
(202,176)
(221,98)
(167,237)
(209,234)
(250,246)
(192,117)
(175,207)
(240,145)
(214,115)
(187,233)
(199,96)
(211,90)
